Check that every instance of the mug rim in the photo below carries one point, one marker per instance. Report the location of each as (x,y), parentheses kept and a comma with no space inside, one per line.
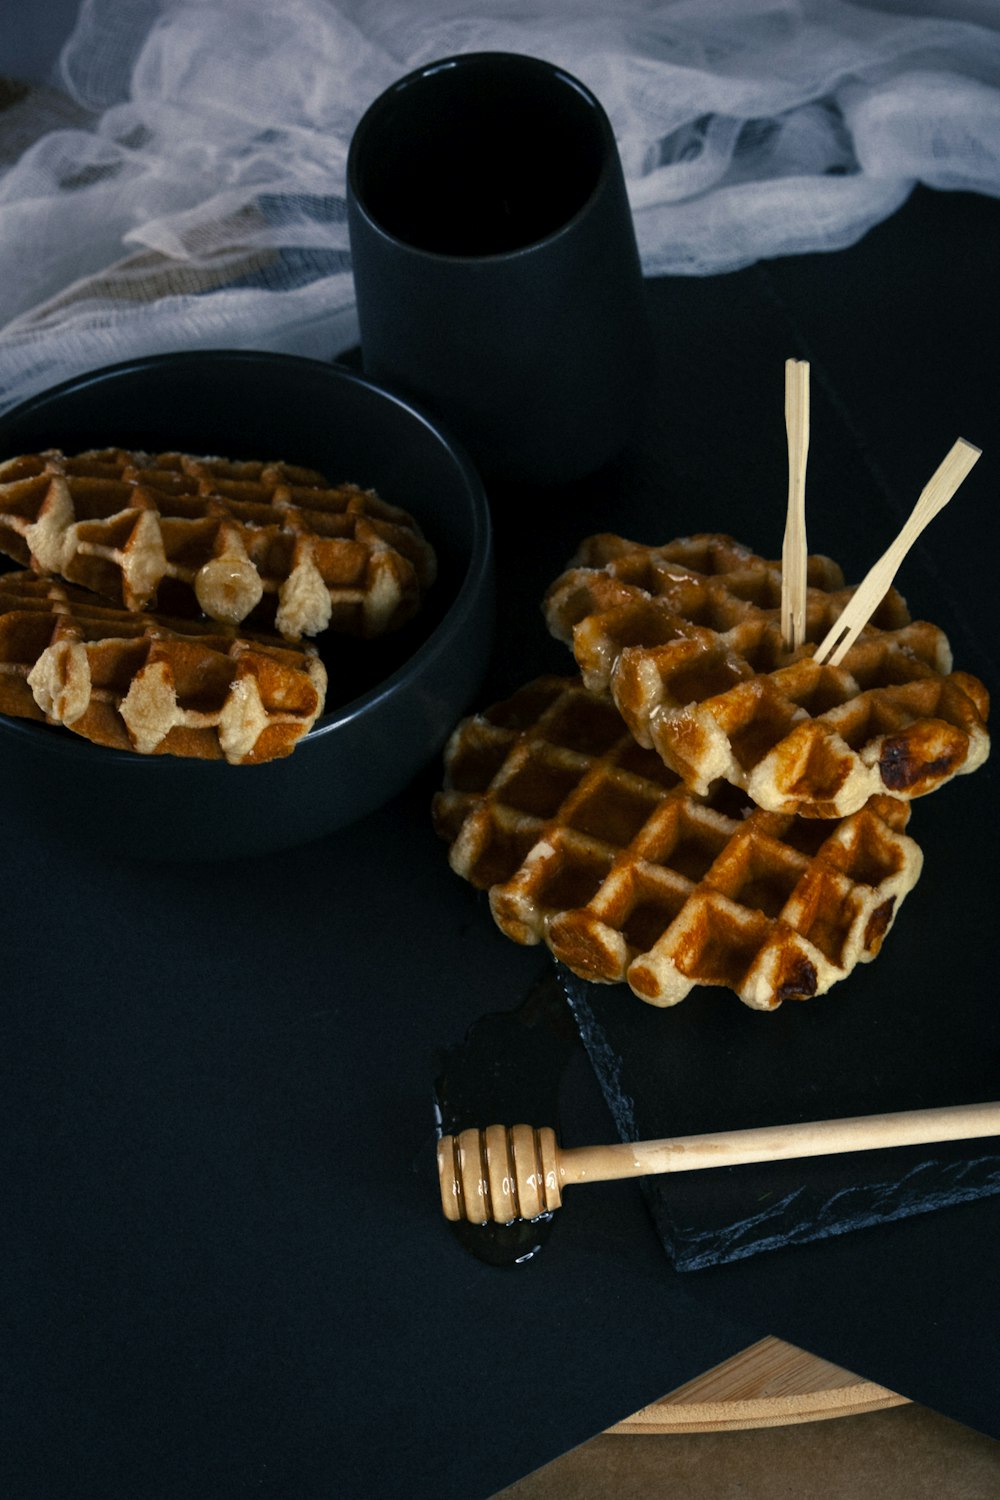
(462,60)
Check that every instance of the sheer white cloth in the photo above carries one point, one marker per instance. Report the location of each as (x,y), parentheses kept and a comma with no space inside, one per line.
(183,185)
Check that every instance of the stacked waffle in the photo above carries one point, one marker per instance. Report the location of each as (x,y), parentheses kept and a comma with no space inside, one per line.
(704,804)
(688,639)
(167,595)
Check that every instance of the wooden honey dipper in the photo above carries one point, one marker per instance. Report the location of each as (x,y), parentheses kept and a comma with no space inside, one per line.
(504,1173)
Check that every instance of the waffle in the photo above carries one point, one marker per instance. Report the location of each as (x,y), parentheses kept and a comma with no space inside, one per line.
(157,686)
(688,637)
(262,541)
(587,842)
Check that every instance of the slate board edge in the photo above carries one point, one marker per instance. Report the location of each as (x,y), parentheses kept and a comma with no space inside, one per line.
(691,1250)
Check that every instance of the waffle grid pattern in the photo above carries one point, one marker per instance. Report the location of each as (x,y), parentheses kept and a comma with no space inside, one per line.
(263,541)
(587,842)
(688,638)
(134,682)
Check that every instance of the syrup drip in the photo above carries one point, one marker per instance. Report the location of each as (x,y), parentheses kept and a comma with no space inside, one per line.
(509,1067)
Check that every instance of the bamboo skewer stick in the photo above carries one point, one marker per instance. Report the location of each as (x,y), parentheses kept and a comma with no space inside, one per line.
(794,548)
(933,498)
(504,1173)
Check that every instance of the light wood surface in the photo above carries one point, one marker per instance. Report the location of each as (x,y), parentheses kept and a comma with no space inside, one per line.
(903,1453)
(771,1384)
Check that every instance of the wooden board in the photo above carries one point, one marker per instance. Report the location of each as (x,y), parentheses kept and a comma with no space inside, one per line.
(771,1384)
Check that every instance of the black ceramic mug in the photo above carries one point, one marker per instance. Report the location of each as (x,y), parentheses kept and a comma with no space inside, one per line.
(495,263)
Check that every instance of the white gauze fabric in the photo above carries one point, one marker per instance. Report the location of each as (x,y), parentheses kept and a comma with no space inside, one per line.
(182,186)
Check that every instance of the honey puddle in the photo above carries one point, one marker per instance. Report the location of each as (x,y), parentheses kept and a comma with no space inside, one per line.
(508,1071)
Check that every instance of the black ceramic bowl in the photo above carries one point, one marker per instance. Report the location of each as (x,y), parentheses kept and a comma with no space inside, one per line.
(390,703)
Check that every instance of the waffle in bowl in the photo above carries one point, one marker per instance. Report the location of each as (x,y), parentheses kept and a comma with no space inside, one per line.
(269,542)
(132,681)
(587,842)
(688,638)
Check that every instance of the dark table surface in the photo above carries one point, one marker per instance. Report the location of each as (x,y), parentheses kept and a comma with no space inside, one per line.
(224,1270)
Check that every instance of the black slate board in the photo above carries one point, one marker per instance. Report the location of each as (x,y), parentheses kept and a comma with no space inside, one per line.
(917,1028)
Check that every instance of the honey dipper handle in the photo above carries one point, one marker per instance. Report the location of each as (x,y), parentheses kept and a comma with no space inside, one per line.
(777,1143)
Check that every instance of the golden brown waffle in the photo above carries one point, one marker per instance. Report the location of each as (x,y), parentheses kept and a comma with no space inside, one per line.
(587,842)
(157,686)
(261,541)
(688,637)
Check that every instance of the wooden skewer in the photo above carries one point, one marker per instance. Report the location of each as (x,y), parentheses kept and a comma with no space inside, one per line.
(794,549)
(933,498)
(505,1173)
